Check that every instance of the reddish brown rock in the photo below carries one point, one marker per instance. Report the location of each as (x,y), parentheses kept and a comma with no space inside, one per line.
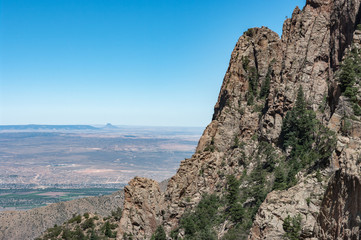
(142,208)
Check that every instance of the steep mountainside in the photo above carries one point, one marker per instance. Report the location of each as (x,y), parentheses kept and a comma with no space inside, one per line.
(21,225)
(281,157)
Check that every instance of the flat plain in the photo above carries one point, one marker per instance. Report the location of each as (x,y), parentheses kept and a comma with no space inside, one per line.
(37,157)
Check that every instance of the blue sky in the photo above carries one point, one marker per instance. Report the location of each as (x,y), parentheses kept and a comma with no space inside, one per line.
(127,62)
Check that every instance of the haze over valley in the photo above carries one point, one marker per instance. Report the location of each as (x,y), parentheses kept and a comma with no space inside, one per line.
(87,157)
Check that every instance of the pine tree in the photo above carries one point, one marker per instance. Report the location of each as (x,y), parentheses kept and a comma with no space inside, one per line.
(309,141)
(232,189)
(292,227)
(265,88)
(107,231)
(159,234)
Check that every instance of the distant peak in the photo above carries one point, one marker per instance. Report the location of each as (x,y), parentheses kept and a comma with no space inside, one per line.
(110,126)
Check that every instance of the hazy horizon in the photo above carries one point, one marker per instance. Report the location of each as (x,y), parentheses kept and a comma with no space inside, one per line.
(103,125)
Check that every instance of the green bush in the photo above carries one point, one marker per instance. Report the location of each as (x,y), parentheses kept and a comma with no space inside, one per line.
(356,109)
(237,212)
(89,223)
(258,108)
(318,176)
(349,78)
(235,142)
(198,224)
(76,219)
(94,235)
(253,78)
(235,233)
(117,214)
(245,63)
(358,27)
(67,234)
(346,126)
(292,227)
(159,234)
(53,232)
(127,236)
(265,88)
(280,179)
(249,32)
(209,148)
(250,98)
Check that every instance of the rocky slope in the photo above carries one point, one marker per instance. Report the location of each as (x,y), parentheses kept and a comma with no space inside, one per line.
(247,139)
(21,225)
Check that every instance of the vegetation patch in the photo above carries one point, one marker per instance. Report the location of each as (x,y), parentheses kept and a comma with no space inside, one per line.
(292,227)
(86,227)
(349,78)
(309,143)
(159,234)
(199,223)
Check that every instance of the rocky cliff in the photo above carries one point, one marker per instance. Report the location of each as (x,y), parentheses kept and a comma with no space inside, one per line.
(282,152)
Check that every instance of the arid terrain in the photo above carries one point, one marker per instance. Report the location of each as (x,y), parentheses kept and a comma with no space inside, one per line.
(35,157)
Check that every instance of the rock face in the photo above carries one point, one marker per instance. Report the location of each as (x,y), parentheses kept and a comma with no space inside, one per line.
(142,208)
(340,216)
(313,44)
(17,225)
(259,88)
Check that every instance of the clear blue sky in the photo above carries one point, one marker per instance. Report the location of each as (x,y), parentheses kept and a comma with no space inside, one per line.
(129,62)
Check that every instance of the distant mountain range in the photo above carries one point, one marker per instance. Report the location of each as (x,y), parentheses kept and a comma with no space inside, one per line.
(47,127)
(110,126)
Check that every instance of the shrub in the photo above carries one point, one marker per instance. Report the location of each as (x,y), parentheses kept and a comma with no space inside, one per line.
(249,32)
(258,108)
(235,233)
(67,234)
(292,227)
(235,142)
(76,219)
(356,109)
(250,98)
(159,234)
(280,179)
(350,74)
(53,232)
(89,223)
(245,63)
(253,78)
(94,235)
(232,190)
(346,126)
(117,214)
(318,176)
(265,88)
(198,225)
(127,236)
(78,234)
(358,27)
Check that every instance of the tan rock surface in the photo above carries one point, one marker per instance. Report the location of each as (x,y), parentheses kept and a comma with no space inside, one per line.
(142,208)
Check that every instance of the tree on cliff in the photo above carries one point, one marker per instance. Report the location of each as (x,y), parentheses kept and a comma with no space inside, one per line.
(310,143)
